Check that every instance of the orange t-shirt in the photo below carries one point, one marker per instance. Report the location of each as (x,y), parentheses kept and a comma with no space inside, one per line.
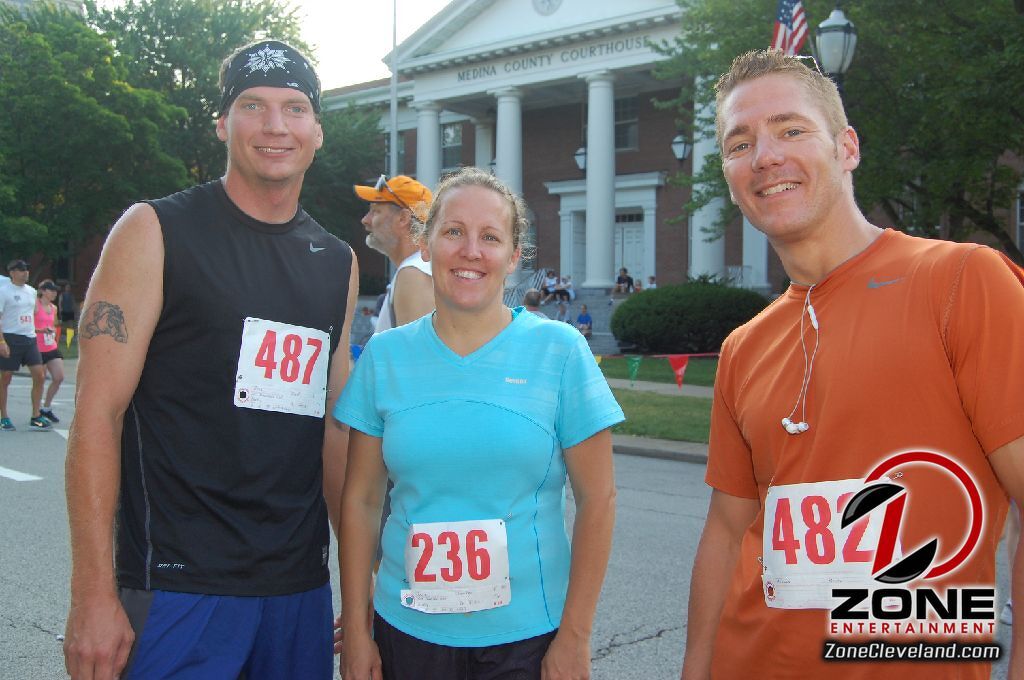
(920,348)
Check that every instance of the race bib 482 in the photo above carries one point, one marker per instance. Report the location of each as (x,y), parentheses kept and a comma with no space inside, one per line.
(805,552)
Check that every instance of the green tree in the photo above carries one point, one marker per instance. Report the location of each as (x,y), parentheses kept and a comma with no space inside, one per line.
(352,150)
(176,47)
(77,143)
(933,91)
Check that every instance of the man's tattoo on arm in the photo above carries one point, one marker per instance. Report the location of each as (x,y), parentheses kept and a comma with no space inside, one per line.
(103,318)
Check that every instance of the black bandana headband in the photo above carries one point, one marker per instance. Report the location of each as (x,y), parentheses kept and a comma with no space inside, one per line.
(269,64)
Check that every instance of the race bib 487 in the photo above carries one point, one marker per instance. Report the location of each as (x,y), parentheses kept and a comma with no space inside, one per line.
(282,368)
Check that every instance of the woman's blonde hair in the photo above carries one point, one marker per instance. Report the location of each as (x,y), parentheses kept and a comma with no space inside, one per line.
(475,177)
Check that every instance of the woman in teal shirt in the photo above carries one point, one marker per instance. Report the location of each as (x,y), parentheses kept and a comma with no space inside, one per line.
(477,413)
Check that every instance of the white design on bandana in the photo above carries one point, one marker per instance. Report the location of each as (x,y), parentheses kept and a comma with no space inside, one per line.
(266,59)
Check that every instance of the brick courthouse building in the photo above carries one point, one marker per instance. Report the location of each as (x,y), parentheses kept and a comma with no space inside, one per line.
(536,88)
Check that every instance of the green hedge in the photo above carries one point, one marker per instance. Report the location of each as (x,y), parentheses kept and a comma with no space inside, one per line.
(688,318)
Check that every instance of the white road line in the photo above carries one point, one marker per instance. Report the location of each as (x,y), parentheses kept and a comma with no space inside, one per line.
(62,433)
(18,476)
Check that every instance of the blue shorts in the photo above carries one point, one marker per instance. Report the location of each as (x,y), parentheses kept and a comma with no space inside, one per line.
(218,637)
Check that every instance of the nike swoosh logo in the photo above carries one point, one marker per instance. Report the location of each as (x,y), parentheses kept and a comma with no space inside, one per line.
(314,250)
(879,284)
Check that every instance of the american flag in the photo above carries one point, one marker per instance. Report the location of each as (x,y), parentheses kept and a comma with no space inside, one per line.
(790,27)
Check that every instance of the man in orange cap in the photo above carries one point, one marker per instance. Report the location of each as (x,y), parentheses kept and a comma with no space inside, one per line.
(396,206)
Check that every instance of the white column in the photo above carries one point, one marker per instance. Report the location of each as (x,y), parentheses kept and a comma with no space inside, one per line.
(600,180)
(755,258)
(428,143)
(705,258)
(509,145)
(483,132)
(565,263)
(650,240)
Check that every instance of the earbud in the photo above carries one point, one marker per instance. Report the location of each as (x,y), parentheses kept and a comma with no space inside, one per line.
(787,424)
(814,317)
(794,428)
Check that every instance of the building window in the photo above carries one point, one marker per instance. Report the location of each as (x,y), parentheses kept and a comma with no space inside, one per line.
(451,146)
(62,268)
(627,124)
(401,155)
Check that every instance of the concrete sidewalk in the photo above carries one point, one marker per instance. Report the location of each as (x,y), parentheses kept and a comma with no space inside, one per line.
(647,447)
(623,444)
(671,390)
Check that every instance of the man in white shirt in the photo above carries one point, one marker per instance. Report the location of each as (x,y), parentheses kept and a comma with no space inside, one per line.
(395,205)
(18,344)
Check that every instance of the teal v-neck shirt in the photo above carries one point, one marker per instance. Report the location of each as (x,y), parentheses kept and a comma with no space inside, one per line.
(475,438)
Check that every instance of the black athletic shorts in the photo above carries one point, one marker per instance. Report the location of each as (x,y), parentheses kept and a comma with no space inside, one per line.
(24,352)
(51,355)
(405,657)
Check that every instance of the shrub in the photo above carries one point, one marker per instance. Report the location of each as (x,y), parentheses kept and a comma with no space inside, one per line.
(689,318)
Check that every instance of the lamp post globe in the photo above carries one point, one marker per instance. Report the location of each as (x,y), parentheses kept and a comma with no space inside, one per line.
(581,158)
(834,44)
(681,148)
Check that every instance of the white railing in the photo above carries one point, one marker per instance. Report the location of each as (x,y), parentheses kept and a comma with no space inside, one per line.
(514,290)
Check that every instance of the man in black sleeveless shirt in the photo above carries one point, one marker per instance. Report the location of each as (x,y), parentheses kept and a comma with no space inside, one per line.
(214,338)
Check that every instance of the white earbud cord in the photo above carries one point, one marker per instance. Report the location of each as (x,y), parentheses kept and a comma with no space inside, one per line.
(801,399)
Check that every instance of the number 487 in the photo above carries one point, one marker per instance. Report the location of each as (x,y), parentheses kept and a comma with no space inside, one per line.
(266,357)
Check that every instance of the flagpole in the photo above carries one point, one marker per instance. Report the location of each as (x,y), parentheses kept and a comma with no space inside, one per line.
(393,140)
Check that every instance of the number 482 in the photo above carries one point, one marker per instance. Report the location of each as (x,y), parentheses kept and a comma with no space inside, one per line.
(819,542)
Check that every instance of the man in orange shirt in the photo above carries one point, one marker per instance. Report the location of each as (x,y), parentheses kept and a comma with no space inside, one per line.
(888,375)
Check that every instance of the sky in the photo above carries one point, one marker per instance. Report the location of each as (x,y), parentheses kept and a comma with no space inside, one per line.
(348,49)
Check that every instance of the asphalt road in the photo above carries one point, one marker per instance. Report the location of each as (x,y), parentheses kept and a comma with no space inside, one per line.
(639,628)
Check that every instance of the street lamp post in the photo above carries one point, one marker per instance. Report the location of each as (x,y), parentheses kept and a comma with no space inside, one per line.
(834,44)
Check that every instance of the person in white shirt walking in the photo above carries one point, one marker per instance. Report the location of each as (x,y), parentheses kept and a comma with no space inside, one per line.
(18,344)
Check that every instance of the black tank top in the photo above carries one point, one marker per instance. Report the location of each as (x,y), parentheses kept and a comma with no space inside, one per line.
(218,497)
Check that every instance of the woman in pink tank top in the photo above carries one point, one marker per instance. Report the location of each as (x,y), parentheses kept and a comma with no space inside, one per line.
(46,340)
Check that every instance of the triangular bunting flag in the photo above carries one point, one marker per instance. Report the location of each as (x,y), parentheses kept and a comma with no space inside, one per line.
(678,363)
(71,334)
(634,367)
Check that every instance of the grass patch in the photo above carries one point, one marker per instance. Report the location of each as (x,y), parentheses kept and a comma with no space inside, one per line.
(69,352)
(700,371)
(685,419)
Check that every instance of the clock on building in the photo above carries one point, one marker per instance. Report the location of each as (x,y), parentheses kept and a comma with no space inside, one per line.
(546,6)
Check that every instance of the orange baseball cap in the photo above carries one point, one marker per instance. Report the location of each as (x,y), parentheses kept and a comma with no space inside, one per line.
(402,191)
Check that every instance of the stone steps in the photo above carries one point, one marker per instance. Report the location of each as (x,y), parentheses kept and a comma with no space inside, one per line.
(600,305)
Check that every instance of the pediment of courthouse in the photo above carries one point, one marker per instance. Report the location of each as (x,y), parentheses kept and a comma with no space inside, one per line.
(543,46)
